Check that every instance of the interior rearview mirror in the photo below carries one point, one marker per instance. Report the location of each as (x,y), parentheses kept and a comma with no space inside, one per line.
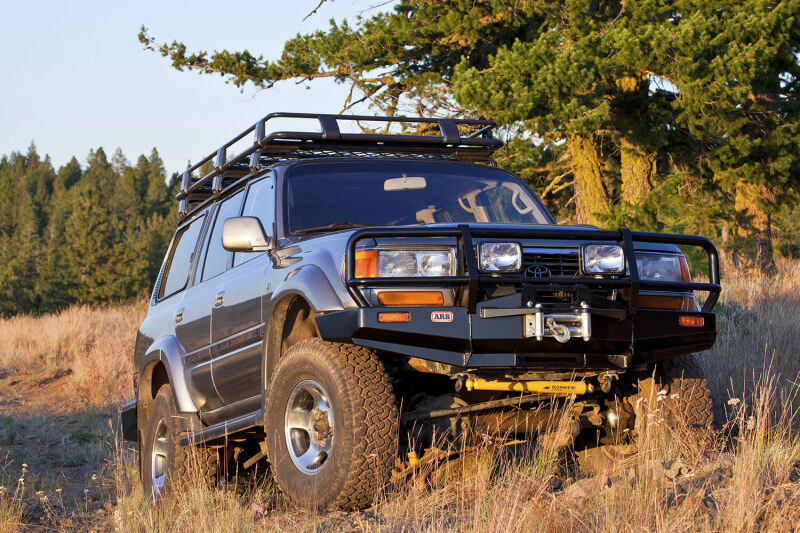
(244,234)
(405,183)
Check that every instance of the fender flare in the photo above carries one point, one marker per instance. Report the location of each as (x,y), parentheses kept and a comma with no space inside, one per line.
(170,352)
(311,284)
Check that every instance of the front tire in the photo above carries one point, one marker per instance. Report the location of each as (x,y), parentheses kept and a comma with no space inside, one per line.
(677,388)
(683,386)
(331,425)
(165,464)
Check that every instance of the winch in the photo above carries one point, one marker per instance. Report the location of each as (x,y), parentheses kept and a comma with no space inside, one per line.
(561,326)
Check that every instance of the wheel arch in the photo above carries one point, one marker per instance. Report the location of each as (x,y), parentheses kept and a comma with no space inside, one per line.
(162,364)
(304,293)
(291,321)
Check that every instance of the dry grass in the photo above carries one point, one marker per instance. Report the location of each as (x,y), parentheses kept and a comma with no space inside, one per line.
(743,476)
(93,345)
(759,328)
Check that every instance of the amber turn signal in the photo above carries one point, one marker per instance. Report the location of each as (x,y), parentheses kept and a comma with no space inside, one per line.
(691,321)
(366,264)
(408,298)
(394,317)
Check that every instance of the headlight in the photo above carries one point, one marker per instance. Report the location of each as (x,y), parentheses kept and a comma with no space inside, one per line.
(415,263)
(662,267)
(500,257)
(603,259)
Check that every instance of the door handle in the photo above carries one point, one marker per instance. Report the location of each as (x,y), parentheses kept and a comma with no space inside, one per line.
(179,315)
(220,299)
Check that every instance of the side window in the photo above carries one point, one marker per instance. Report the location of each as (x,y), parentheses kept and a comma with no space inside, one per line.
(260,203)
(217,257)
(176,273)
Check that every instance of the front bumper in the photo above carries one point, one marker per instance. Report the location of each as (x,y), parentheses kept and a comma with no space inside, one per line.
(612,334)
(471,341)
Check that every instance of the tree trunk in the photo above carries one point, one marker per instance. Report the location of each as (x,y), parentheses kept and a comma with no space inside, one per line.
(756,224)
(591,199)
(762,235)
(638,167)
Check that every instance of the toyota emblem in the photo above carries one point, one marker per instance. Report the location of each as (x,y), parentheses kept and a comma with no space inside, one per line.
(538,271)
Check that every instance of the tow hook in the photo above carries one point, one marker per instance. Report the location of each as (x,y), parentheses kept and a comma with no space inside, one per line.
(560,332)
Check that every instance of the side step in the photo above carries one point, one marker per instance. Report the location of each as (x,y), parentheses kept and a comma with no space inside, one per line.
(223,429)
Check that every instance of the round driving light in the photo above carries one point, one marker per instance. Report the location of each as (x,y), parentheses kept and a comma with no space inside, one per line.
(500,257)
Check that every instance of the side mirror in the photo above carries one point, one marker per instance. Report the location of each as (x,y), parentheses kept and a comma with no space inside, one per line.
(244,234)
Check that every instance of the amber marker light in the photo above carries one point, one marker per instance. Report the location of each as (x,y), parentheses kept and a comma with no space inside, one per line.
(394,317)
(408,298)
(691,321)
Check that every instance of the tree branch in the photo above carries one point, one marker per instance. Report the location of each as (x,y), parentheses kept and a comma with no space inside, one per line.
(315,9)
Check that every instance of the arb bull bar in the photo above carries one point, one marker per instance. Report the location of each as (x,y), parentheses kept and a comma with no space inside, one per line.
(514,330)
(469,276)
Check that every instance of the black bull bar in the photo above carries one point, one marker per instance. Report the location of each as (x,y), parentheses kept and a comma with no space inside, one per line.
(469,277)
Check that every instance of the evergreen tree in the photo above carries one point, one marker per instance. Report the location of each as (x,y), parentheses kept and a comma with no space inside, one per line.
(72,236)
(633,102)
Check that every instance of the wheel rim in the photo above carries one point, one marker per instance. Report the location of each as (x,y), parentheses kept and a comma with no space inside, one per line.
(158,457)
(308,426)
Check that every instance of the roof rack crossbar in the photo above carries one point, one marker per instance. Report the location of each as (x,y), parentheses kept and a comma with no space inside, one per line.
(268,148)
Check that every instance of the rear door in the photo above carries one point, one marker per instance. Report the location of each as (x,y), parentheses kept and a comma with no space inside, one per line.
(237,325)
(191,318)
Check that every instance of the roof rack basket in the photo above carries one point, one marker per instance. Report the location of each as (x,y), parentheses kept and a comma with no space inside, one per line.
(458,139)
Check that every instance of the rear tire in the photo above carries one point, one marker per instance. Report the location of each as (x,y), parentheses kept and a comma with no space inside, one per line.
(331,425)
(165,464)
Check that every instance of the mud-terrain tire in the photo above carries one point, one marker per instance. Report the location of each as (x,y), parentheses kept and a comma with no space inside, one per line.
(678,389)
(165,464)
(686,397)
(349,448)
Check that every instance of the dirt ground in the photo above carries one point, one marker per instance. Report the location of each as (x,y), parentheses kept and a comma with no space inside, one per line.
(54,452)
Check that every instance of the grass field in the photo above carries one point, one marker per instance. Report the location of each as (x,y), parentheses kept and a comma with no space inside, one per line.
(63,377)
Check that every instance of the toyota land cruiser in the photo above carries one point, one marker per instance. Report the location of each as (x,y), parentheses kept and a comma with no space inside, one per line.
(331,302)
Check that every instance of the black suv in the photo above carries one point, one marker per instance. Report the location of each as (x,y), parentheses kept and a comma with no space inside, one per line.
(335,303)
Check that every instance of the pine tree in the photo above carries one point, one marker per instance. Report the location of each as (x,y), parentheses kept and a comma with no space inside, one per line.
(75,236)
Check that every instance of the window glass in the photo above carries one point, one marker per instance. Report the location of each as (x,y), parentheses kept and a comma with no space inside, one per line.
(260,203)
(217,257)
(180,262)
(406,193)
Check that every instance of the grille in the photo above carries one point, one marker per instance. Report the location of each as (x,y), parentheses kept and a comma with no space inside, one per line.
(546,265)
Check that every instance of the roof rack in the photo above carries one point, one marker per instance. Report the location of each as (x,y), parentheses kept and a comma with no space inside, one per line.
(458,139)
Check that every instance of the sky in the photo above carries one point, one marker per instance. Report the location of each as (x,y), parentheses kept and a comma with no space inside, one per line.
(74,77)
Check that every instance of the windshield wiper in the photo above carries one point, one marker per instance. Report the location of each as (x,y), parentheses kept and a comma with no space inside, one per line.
(330,227)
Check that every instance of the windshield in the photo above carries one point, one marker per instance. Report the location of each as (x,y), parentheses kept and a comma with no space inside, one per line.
(338,195)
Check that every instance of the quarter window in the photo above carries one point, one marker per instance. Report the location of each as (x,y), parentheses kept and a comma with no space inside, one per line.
(176,272)
(218,259)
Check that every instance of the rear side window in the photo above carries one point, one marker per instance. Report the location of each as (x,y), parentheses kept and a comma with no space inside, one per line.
(260,203)
(218,259)
(176,273)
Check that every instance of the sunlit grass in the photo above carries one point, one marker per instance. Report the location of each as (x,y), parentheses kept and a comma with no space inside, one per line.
(741,476)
